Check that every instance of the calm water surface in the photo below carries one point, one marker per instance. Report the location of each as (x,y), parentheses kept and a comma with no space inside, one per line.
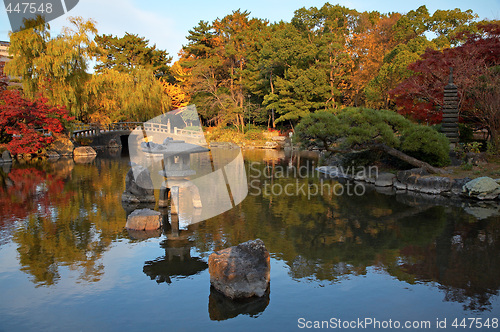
(67,263)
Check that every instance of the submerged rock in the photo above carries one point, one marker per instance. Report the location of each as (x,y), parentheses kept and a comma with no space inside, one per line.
(241,271)
(222,308)
(53,155)
(84,159)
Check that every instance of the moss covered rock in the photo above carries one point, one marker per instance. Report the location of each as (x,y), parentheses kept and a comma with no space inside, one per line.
(482,188)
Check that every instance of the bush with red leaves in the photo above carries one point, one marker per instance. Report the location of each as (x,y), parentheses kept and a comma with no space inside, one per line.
(24,124)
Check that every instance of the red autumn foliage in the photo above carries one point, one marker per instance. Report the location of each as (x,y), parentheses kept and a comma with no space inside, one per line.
(421,96)
(21,122)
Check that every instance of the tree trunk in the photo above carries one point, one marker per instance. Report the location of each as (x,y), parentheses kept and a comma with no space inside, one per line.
(391,151)
(242,120)
(272,92)
(410,160)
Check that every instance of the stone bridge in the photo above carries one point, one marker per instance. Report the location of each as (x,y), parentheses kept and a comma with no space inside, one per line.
(103,135)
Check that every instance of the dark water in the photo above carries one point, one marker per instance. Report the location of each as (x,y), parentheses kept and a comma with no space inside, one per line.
(67,263)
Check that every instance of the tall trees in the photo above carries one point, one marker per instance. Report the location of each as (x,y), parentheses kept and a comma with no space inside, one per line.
(394,70)
(296,84)
(216,57)
(239,69)
(129,52)
(118,96)
(53,67)
(125,87)
(475,64)
(325,58)
(412,33)
(373,41)
(129,84)
(308,63)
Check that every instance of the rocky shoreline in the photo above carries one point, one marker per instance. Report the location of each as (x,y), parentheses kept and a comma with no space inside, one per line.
(419,180)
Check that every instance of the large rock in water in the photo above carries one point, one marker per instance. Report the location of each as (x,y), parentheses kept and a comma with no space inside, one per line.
(242,271)
(5,158)
(138,186)
(482,188)
(62,145)
(144,220)
(84,151)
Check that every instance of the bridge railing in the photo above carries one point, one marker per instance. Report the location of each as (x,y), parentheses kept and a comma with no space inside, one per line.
(156,127)
(95,129)
(188,132)
(122,126)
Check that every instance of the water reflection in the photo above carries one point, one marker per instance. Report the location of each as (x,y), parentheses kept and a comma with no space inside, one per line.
(64,215)
(327,237)
(464,261)
(222,308)
(177,261)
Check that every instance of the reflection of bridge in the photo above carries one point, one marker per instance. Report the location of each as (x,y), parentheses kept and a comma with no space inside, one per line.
(101,134)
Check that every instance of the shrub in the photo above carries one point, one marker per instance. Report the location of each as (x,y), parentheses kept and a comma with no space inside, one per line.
(361,128)
(224,135)
(426,144)
(23,122)
(254,134)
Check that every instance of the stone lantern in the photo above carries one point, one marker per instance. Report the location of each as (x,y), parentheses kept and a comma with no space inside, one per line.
(176,170)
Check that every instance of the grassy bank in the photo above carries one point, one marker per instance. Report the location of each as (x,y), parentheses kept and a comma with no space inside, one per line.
(254,136)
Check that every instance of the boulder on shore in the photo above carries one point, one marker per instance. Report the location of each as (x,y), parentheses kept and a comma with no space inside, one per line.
(241,271)
(385,180)
(144,220)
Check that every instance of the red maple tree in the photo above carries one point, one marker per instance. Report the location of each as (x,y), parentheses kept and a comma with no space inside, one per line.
(27,126)
(421,96)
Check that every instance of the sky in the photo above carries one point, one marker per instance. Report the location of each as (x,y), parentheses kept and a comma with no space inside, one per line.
(166,22)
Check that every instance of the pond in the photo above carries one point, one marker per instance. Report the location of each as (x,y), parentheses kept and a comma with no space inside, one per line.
(364,259)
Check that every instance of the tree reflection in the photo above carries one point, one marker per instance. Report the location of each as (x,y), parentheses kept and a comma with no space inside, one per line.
(27,189)
(67,215)
(463,259)
(327,237)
